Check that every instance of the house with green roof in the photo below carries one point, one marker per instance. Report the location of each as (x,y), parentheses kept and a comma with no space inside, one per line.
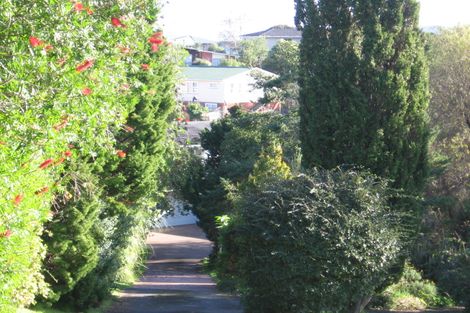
(219,88)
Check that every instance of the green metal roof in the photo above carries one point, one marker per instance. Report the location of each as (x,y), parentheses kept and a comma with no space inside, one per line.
(211,73)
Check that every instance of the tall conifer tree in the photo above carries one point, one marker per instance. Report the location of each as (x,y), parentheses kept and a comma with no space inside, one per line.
(364,87)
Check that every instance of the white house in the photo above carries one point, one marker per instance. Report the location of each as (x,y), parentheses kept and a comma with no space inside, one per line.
(219,87)
(274,34)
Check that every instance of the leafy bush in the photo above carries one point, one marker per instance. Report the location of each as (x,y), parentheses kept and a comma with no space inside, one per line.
(196,111)
(202,62)
(411,292)
(231,63)
(318,242)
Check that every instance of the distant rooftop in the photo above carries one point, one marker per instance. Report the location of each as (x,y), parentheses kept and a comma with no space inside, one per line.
(279,31)
(211,73)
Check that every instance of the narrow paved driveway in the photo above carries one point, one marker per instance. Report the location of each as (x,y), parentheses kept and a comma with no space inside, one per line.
(174,281)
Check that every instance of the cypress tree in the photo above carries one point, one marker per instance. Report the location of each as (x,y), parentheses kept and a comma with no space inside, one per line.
(364,87)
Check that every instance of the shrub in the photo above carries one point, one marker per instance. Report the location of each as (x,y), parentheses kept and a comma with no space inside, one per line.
(196,111)
(202,62)
(411,292)
(318,242)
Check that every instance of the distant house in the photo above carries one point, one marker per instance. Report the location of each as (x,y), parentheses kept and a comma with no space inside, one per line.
(219,88)
(193,42)
(274,34)
(215,58)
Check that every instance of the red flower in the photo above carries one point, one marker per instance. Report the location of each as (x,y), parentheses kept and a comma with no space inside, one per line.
(78,7)
(84,66)
(41,191)
(156,40)
(59,161)
(179,119)
(145,67)
(46,163)
(89,11)
(35,42)
(187,120)
(68,153)
(117,22)
(154,47)
(157,35)
(86,91)
(7,233)
(121,153)
(17,200)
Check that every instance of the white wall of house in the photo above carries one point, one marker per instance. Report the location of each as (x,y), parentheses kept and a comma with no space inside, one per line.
(239,89)
(203,91)
(235,89)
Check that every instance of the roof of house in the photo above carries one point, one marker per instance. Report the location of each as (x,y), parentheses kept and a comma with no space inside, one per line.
(279,31)
(211,73)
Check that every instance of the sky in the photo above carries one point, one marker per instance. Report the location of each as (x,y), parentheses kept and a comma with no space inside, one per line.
(209,19)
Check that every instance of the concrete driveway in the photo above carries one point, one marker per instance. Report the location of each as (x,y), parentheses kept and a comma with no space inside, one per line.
(174,281)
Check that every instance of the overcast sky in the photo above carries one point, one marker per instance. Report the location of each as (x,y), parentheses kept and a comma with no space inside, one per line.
(207,18)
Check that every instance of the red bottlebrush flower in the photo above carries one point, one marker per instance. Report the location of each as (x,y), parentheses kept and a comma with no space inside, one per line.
(68,153)
(84,66)
(35,42)
(121,153)
(128,129)
(156,40)
(155,47)
(179,119)
(48,48)
(41,191)
(145,67)
(46,164)
(17,200)
(86,91)
(79,7)
(188,120)
(59,161)
(158,35)
(7,233)
(89,11)
(117,22)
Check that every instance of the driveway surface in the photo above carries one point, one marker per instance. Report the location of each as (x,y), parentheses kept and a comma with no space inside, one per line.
(174,281)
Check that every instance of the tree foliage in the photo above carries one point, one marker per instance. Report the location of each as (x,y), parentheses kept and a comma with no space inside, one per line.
(253,52)
(317,242)
(85,93)
(234,144)
(364,88)
(283,60)
(443,249)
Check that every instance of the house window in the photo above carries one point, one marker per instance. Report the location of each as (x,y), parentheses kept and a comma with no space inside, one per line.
(211,106)
(232,87)
(194,87)
(213,85)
